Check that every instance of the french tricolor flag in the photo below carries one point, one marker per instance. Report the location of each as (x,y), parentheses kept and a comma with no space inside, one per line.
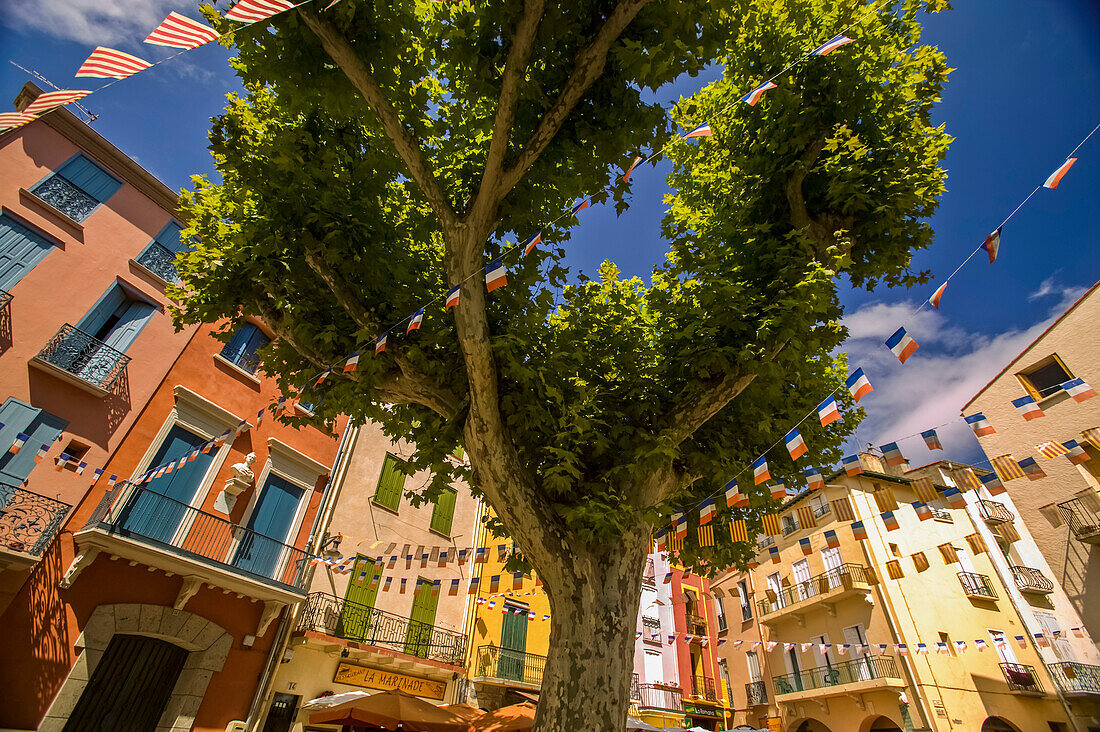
(1079,390)
(733,496)
(993,484)
(1027,408)
(814,480)
(754,96)
(979,424)
(535,239)
(901,344)
(932,440)
(1056,177)
(934,301)
(626,175)
(992,245)
(760,471)
(831,539)
(580,206)
(415,321)
(352,363)
(852,465)
(496,276)
(17,445)
(779,490)
(322,377)
(706,512)
(680,523)
(828,412)
(1076,453)
(834,44)
(380,343)
(858,385)
(892,453)
(62,460)
(702,130)
(890,521)
(452,295)
(796,446)
(923,510)
(41,453)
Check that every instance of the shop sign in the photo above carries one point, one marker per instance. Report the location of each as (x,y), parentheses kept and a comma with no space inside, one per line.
(373,678)
(773,724)
(700,711)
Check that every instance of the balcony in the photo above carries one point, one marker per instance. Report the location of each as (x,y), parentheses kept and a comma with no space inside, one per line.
(756,693)
(362,624)
(1075,679)
(941,514)
(862,674)
(746,612)
(763,542)
(829,587)
(661,696)
(161,261)
(80,359)
(821,510)
(977,586)
(1022,679)
(512,668)
(1083,518)
(994,513)
(703,688)
(1031,581)
(649,577)
(696,625)
(144,526)
(651,626)
(28,523)
(635,689)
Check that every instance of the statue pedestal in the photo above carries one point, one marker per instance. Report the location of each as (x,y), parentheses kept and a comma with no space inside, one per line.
(241,479)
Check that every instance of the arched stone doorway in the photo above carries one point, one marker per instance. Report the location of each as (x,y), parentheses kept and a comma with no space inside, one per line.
(879,723)
(811,725)
(998,724)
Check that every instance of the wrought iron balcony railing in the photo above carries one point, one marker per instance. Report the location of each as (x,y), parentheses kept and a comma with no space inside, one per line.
(161,261)
(5,298)
(1022,678)
(763,542)
(703,688)
(977,585)
(790,525)
(635,689)
(363,624)
(1083,517)
(1075,678)
(28,521)
(941,514)
(846,575)
(821,510)
(506,665)
(756,692)
(1031,580)
(994,513)
(838,674)
(81,355)
(696,625)
(746,612)
(649,577)
(177,528)
(66,197)
(661,696)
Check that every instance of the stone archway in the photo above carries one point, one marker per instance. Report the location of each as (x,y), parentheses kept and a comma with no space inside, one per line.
(207,644)
(879,723)
(998,724)
(811,725)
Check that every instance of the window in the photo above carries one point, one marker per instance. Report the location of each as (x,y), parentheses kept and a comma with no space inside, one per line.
(444,511)
(117,319)
(242,346)
(77,188)
(753,662)
(790,525)
(40,428)
(21,248)
(801,570)
(1001,645)
(271,523)
(654,673)
(721,610)
(743,595)
(391,483)
(159,257)
(1044,378)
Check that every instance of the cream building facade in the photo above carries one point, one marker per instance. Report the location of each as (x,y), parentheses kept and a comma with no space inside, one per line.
(384,610)
(931,581)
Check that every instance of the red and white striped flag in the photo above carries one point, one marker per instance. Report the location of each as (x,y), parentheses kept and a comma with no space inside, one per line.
(179,31)
(11,120)
(252,11)
(51,100)
(107,63)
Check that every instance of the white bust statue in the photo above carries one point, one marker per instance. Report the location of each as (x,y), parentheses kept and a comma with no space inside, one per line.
(243,471)
(241,477)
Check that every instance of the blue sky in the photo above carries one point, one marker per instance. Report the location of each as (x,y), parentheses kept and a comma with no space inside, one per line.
(1025,91)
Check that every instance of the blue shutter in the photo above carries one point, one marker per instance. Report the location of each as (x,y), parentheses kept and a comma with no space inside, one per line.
(169,237)
(90,178)
(129,325)
(260,552)
(238,342)
(43,429)
(109,302)
(20,250)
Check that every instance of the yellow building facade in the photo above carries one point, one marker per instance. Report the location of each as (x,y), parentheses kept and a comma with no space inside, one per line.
(828,638)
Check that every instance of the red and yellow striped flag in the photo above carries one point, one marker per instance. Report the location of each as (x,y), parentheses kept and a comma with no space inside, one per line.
(1007,468)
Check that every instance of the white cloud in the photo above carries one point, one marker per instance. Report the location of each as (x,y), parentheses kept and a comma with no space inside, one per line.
(96,22)
(948,369)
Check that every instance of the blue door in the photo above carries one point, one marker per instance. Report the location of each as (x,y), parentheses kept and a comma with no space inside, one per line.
(156,509)
(115,321)
(21,249)
(261,548)
(41,426)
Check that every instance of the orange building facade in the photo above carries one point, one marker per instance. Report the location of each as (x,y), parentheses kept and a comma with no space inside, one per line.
(157,599)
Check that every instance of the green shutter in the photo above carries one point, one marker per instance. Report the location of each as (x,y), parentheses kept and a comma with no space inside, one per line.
(418,636)
(391,483)
(444,512)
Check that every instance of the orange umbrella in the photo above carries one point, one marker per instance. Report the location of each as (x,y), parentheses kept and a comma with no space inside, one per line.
(392,710)
(516,718)
(464,710)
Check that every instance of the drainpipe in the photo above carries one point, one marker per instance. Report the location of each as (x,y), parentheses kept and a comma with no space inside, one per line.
(261,700)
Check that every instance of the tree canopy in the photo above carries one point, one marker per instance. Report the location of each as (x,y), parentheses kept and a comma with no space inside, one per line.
(385,151)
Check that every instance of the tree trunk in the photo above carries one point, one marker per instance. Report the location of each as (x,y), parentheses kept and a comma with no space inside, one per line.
(594,616)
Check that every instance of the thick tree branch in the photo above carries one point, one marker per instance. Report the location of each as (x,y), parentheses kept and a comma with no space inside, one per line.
(523,40)
(587,69)
(404,142)
(823,227)
(343,292)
